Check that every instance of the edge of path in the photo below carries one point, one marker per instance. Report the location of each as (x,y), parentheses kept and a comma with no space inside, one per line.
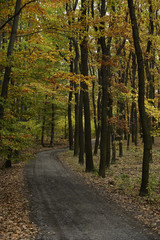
(114,198)
(130,207)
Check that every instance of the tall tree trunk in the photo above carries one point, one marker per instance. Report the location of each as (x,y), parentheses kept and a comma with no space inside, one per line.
(103,146)
(71,7)
(145,121)
(65,126)
(76,71)
(84,71)
(113,146)
(4,91)
(98,111)
(76,128)
(94,108)
(88,144)
(70,119)
(106,98)
(98,123)
(43,122)
(134,105)
(70,128)
(43,129)
(149,64)
(81,134)
(97,126)
(52,123)
(6,79)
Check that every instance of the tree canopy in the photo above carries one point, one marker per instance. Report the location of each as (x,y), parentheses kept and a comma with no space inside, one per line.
(89,49)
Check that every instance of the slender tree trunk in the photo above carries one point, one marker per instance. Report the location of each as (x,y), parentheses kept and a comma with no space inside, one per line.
(136,126)
(128,141)
(120,146)
(71,7)
(43,123)
(106,98)
(76,71)
(88,144)
(76,131)
(65,126)
(43,129)
(52,123)
(94,108)
(103,146)
(149,64)
(81,134)
(98,112)
(4,91)
(145,121)
(84,71)
(70,119)
(134,107)
(6,79)
(70,128)
(113,147)
(97,126)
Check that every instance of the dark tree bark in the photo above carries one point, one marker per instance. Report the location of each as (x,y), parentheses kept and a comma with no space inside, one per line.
(70,119)
(98,122)
(103,146)
(149,64)
(84,71)
(71,7)
(43,129)
(76,128)
(43,123)
(88,144)
(106,99)
(113,147)
(145,121)
(52,123)
(5,84)
(81,134)
(76,71)
(134,119)
(94,108)
(65,126)
(70,128)
(98,113)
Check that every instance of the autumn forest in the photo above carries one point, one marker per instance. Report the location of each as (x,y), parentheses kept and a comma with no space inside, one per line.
(86,71)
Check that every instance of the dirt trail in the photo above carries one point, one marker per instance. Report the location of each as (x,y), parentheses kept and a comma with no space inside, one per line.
(64,207)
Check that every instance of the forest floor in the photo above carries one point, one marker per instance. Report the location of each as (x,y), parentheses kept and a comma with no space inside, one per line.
(15,222)
(123,179)
(121,185)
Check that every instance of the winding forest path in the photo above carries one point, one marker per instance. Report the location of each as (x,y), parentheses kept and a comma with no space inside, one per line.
(64,207)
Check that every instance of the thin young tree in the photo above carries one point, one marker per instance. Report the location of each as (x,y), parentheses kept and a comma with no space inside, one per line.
(145,120)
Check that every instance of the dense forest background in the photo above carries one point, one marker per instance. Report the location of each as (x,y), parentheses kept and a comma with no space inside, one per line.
(80,70)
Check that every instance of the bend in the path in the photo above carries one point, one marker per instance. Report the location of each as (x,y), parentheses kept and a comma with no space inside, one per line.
(66,208)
